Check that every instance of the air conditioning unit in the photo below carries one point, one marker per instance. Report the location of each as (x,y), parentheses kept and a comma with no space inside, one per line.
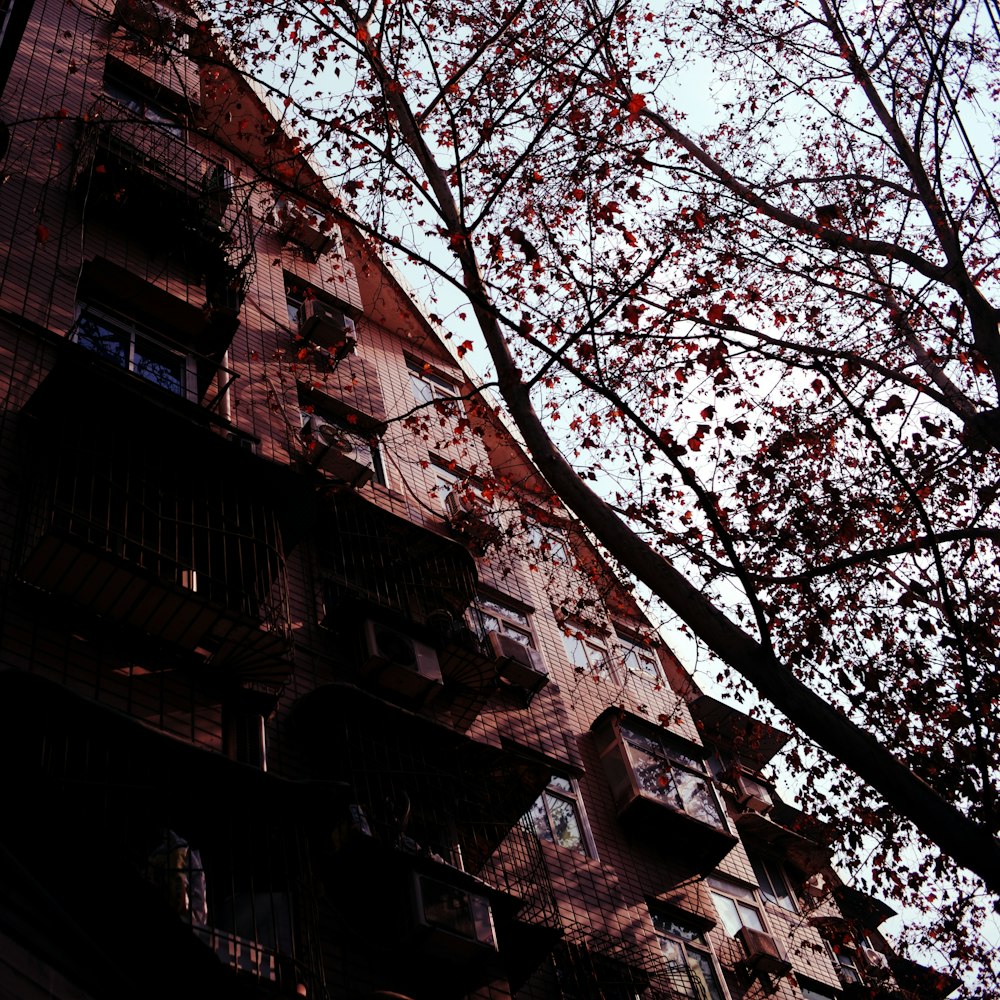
(752,794)
(452,922)
(518,664)
(876,962)
(400,663)
(762,951)
(302,224)
(248,444)
(328,326)
(342,454)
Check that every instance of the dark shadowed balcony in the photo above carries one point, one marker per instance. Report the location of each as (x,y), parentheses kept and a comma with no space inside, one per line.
(143,516)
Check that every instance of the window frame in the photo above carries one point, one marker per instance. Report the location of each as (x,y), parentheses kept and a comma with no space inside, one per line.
(133,98)
(697,943)
(629,644)
(437,388)
(739,895)
(569,793)
(127,330)
(513,621)
(773,871)
(549,542)
(671,757)
(588,644)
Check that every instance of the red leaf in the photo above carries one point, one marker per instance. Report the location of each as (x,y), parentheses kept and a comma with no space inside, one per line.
(636,103)
(699,219)
(716,312)
(464,348)
(42,233)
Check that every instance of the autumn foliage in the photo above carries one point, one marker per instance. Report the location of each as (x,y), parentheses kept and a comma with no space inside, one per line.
(733,268)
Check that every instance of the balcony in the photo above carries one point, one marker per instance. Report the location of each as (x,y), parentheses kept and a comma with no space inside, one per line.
(146,866)
(142,516)
(433,824)
(384,568)
(142,173)
(790,834)
(662,790)
(590,963)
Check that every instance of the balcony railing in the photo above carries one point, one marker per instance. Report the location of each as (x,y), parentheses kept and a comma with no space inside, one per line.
(152,526)
(424,801)
(175,866)
(146,170)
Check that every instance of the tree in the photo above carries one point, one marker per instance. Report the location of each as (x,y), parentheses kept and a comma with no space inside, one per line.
(755,354)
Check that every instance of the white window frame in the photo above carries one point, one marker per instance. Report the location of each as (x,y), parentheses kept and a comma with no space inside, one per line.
(770,872)
(632,648)
(565,790)
(588,655)
(549,542)
(510,620)
(742,897)
(428,386)
(845,963)
(681,777)
(111,324)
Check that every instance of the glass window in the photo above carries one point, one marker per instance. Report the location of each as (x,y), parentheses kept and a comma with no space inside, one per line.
(488,615)
(141,105)
(690,966)
(428,387)
(639,659)
(549,543)
(773,883)
(676,779)
(587,656)
(736,905)
(138,353)
(557,816)
(845,960)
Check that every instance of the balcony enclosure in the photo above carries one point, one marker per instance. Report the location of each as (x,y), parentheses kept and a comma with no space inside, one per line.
(142,517)
(423,802)
(379,565)
(662,788)
(172,866)
(141,173)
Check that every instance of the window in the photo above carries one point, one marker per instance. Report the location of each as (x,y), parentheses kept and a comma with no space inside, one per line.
(141,105)
(673,777)
(690,969)
(295,296)
(587,656)
(427,386)
(549,543)
(135,351)
(845,962)
(639,659)
(488,615)
(736,904)
(558,817)
(773,883)
(812,991)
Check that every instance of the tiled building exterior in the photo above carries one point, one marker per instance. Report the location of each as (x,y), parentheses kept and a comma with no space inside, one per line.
(271,721)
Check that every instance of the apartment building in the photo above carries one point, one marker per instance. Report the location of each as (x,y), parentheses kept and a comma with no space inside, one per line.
(309,687)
